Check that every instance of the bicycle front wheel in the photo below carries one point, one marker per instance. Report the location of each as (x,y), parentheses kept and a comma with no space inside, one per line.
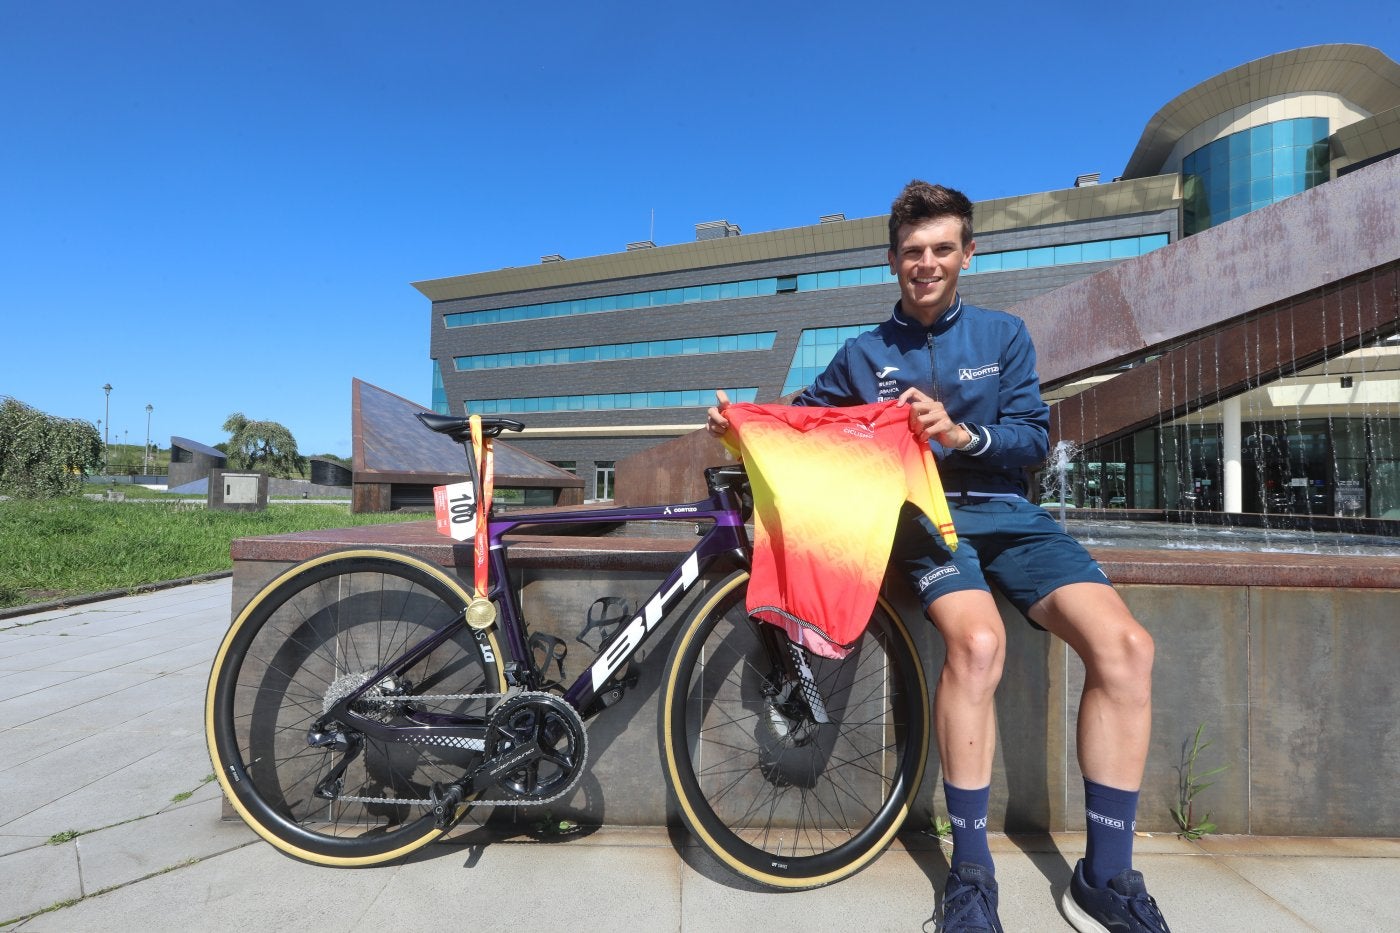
(789,791)
(335,796)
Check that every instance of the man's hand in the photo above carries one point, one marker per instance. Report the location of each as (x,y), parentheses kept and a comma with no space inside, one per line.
(930,420)
(715,422)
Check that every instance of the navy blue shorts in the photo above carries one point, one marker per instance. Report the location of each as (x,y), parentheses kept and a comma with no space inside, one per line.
(1006,541)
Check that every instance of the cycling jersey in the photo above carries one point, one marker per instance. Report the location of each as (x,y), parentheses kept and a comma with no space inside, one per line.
(980,364)
(828,484)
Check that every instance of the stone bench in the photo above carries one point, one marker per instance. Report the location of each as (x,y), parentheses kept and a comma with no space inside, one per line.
(1288,661)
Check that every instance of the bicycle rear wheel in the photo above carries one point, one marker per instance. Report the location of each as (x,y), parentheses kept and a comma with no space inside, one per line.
(313,635)
(767,787)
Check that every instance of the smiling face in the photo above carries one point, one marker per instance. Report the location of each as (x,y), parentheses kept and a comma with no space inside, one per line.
(928,259)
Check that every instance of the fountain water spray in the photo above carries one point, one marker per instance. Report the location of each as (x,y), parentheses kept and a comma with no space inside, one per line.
(1055,480)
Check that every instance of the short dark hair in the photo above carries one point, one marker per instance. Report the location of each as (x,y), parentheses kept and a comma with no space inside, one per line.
(920,201)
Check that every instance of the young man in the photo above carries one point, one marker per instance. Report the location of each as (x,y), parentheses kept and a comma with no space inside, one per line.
(969,380)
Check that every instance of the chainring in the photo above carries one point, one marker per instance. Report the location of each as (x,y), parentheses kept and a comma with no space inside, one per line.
(537,748)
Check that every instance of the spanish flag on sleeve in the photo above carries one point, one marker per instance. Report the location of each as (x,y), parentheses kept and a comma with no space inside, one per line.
(828,484)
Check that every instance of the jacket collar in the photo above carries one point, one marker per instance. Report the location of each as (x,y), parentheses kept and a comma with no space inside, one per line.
(945,320)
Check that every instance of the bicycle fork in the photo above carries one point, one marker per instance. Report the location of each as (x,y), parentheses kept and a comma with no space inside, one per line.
(795,704)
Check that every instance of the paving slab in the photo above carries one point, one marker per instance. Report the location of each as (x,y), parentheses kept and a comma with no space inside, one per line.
(21,682)
(169,839)
(37,704)
(37,878)
(598,887)
(18,843)
(142,785)
(1308,888)
(249,888)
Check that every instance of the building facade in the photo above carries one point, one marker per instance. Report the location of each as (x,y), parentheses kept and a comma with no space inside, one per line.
(607,356)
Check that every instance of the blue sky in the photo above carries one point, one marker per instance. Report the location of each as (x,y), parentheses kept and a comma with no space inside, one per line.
(220,206)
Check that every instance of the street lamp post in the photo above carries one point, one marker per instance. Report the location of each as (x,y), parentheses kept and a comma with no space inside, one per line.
(146,463)
(107,415)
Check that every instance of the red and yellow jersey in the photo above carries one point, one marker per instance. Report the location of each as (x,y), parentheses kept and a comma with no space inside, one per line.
(828,484)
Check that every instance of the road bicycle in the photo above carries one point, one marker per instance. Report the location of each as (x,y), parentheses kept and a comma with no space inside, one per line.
(365,700)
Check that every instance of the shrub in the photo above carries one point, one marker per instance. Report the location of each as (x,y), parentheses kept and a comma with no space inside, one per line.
(41,455)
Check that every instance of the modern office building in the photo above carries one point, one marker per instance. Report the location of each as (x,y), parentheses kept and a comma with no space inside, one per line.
(609,355)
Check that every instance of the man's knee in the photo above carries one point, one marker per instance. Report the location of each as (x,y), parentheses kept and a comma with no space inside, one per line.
(974,639)
(1122,657)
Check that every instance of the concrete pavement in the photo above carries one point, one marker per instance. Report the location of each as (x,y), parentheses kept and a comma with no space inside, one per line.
(109,819)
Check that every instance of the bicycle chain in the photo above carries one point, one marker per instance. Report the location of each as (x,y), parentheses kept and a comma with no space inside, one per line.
(401,802)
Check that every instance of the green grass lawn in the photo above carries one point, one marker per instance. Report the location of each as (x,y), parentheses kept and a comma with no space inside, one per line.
(68,547)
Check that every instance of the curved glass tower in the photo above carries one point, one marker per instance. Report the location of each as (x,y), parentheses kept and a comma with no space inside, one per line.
(1251,169)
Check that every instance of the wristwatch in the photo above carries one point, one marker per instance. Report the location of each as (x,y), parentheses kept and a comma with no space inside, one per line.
(974,437)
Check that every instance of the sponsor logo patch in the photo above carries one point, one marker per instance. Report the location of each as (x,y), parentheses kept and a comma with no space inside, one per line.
(1108,821)
(885,372)
(979,372)
(933,576)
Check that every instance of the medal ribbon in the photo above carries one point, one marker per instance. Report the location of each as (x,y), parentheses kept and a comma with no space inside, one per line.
(486,466)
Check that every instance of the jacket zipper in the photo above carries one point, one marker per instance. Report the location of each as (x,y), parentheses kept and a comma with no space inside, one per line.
(932,368)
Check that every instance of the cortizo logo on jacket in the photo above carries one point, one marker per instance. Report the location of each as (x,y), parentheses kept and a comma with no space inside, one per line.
(981,372)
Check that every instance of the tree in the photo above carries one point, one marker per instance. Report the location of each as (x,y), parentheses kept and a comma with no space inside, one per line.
(265,446)
(42,455)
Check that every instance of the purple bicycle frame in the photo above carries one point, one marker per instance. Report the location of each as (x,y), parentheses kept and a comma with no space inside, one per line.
(726,536)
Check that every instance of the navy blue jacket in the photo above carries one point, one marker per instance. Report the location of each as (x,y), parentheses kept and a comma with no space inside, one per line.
(980,364)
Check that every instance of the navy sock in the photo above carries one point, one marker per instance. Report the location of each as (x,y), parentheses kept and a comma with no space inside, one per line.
(967,811)
(1110,815)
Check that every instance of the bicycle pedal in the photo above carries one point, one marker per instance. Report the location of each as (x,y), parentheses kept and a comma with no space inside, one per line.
(445,799)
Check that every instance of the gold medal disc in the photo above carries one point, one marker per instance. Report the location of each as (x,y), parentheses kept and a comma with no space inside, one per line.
(481,613)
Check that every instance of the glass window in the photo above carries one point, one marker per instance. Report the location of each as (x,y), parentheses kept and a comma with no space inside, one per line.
(1122,249)
(787,283)
(1097,252)
(604,472)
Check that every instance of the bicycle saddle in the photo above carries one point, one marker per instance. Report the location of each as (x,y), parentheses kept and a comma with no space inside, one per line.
(459,429)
